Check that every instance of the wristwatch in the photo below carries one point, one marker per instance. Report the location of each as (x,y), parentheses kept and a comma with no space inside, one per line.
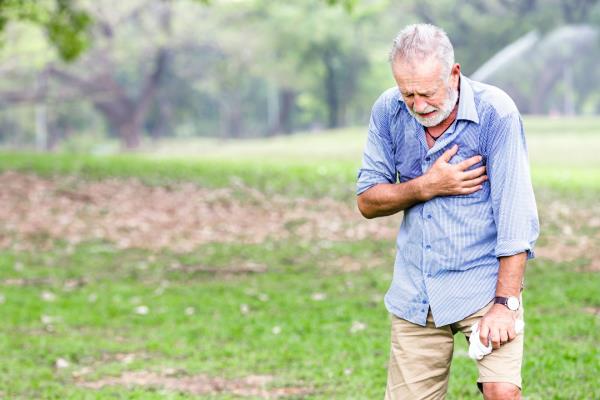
(511,302)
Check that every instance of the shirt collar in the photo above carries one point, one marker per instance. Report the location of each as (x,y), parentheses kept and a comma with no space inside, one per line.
(466,102)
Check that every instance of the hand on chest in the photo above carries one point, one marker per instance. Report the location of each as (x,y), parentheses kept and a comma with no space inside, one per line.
(413,157)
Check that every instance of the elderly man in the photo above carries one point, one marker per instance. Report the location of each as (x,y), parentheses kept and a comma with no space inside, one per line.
(451,154)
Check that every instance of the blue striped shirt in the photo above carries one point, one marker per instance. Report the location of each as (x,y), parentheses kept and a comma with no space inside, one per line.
(448,247)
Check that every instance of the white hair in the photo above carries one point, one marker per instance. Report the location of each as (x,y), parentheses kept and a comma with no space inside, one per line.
(419,41)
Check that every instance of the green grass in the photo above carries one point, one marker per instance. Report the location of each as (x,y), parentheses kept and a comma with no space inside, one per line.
(315,346)
(563,154)
(306,178)
(296,177)
(97,286)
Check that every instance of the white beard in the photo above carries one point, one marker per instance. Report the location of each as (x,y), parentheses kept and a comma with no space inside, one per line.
(444,111)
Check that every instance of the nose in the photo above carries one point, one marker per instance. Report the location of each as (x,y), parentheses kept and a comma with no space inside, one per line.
(419,104)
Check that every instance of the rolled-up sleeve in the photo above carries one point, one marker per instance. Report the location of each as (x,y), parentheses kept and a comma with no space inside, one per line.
(378,159)
(513,200)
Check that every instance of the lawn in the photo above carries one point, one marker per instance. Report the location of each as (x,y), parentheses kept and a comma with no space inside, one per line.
(563,154)
(279,293)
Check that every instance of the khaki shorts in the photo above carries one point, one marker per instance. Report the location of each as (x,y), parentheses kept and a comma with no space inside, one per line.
(420,358)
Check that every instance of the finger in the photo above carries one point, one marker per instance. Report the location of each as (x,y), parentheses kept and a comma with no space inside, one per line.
(463,165)
(511,334)
(448,154)
(495,335)
(503,336)
(474,182)
(484,331)
(474,173)
(469,190)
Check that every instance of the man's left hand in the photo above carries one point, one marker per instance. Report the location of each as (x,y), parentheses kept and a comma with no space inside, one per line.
(498,324)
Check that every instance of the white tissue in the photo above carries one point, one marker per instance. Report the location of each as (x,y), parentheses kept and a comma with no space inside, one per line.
(477,350)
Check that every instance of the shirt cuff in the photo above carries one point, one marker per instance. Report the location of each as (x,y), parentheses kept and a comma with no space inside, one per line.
(507,248)
(367,178)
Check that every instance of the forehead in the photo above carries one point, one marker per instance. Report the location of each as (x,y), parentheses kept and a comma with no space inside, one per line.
(419,76)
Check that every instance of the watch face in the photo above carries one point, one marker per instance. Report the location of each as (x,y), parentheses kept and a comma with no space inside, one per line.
(512,303)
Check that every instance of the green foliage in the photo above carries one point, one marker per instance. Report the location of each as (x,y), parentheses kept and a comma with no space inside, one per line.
(479,29)
(348,4)
(67,30)
(264,67)
(65,24)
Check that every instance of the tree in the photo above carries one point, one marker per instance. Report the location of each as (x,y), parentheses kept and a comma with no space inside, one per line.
(318,51)
(65,24)
(98,76)
(254,67)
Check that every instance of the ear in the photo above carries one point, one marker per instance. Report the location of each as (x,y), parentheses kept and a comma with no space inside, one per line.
(455,74)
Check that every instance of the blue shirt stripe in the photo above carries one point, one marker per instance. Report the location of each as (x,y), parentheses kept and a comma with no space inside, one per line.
(448,247)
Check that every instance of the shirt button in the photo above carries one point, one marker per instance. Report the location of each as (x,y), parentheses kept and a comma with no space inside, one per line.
(428,247)
(424,302)
(428,216)
(429,275)
(427,158)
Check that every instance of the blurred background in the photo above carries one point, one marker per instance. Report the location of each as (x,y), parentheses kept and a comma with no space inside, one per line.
(99,75)
(177,208)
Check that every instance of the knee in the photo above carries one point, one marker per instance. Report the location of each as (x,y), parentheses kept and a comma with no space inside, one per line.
(501,391)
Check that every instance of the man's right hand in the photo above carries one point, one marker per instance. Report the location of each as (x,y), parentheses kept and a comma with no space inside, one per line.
(445,179)
(442,179)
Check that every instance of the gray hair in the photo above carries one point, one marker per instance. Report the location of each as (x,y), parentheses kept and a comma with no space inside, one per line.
(419,41)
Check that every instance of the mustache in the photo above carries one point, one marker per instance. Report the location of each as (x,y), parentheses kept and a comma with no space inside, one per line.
(425,111)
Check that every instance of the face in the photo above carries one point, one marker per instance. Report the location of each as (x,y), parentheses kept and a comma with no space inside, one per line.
(429,97)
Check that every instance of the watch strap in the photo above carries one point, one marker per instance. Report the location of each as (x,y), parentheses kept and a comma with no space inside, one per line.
(504,301)
(500,300)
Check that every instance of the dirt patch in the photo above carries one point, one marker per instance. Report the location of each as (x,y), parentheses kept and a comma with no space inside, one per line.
(254,385)
(571,231)
(244,268)
(38,211)
(592,310)
(179,217)
(353,264)
(87,364)
(69,284)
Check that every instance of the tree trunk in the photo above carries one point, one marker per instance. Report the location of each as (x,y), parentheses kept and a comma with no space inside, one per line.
(287,100)
(162,125)
(124,113)
(280,115)
(331,92)
(273,126)
(234,123)
(130,134)
(231,116)
(41,127)
(54,136)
